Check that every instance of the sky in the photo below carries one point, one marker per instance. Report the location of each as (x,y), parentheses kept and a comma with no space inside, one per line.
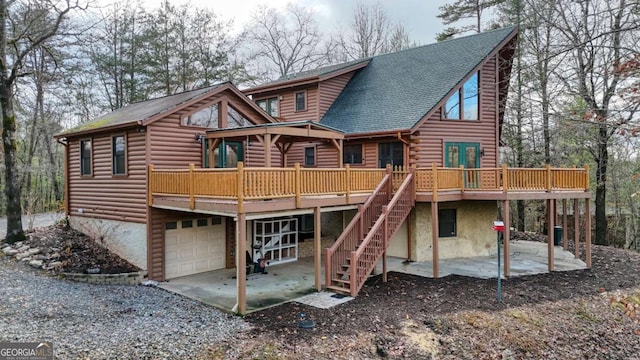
(418,16)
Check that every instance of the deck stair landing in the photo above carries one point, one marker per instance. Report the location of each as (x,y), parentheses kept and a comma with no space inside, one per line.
(350,260)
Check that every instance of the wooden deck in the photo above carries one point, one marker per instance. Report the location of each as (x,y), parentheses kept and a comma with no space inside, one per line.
(253,190)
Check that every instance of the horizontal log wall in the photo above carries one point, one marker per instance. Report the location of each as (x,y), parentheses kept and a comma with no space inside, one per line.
(104,195)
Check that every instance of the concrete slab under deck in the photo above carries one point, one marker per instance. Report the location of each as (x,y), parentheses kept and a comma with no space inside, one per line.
(527,258)
(291,281)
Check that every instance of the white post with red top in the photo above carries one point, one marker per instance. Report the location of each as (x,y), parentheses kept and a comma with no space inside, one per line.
(498,226)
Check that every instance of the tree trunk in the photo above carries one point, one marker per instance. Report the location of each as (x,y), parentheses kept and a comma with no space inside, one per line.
(601,187)
(15,232)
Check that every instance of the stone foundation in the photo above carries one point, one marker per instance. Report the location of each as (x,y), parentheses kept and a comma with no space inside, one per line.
(107,279)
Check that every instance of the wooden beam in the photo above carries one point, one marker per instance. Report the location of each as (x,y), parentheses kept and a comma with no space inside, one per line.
(434,237)
(507,234)
(551,216)
(223,114)
(241,271)
(565,241)
(576,227)
(587,234)
(385,241)
(267,150)
(317,244)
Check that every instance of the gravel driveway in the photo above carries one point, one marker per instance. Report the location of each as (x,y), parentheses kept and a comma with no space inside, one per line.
(106,322)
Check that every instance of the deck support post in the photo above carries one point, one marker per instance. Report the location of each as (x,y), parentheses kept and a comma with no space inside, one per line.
(434,220)
(409,235)
(551,217)
(576,227)
(587,234)
(317,244)
(565,240)
(434,237)
(241,271)
(506,217)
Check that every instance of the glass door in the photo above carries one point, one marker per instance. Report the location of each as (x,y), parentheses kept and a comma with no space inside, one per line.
(227,154)
(467,155)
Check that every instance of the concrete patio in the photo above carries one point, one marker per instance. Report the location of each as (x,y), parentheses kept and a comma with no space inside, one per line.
(291,281)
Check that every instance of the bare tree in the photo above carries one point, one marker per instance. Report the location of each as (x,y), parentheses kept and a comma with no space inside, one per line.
(19,37)
(369,32)
(288,41)
(462,10)
(600,36)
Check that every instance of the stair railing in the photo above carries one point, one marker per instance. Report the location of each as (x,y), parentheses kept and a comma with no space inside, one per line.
(365,257)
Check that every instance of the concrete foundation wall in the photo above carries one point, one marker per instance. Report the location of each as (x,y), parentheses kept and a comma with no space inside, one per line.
(474,236)
(398,245)
(127,239)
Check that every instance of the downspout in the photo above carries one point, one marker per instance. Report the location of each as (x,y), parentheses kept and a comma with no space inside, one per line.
(64,143)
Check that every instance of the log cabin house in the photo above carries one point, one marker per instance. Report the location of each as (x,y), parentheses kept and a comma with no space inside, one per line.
(394,155)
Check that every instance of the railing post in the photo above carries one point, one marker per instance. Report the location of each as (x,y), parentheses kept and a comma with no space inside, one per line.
(240,191)
(192,199)
(360,224)
(390,184)
(150,185)
(413,173)
(348,184)
(462,175)
(353,271)
(297,180)
(586,177)
(328,269)
(505,178)
(548,167)
(434,170)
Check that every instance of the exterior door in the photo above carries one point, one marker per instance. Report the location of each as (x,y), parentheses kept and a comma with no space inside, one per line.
(464,154)
(390,153)
(226,155)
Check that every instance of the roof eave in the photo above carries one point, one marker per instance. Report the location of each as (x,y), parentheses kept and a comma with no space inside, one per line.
(127,124)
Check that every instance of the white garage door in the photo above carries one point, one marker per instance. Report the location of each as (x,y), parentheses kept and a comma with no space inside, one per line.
(194,246)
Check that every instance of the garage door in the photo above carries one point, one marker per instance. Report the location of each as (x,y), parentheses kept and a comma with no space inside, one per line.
(194,246)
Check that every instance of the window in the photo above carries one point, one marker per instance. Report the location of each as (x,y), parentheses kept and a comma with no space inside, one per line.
(207,118)
(463,104)
(301,102)
(85,157)
(187,224)
(203,222)
(118,150)
(310,156)
(447,223)
(390,153)
(216,220)
(171,225)
(269,105)
(352,154)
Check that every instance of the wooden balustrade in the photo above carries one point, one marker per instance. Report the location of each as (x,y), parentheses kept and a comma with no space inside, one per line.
(268,183)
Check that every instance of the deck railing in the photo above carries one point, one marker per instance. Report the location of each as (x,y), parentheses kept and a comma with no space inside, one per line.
(268,183)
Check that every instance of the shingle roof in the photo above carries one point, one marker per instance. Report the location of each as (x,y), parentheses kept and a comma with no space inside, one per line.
(322,71)
(140,111)
(396,90)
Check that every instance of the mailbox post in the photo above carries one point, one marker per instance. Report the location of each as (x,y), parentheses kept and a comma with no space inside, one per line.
(498,226)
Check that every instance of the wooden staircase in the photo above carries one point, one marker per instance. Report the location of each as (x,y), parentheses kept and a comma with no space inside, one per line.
(350,260)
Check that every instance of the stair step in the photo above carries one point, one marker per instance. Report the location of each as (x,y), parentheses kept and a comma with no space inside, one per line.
(340,281)
(338,289)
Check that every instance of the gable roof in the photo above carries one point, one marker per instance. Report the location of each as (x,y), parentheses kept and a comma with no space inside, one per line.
(309,76)
(395,91)
(144,112)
